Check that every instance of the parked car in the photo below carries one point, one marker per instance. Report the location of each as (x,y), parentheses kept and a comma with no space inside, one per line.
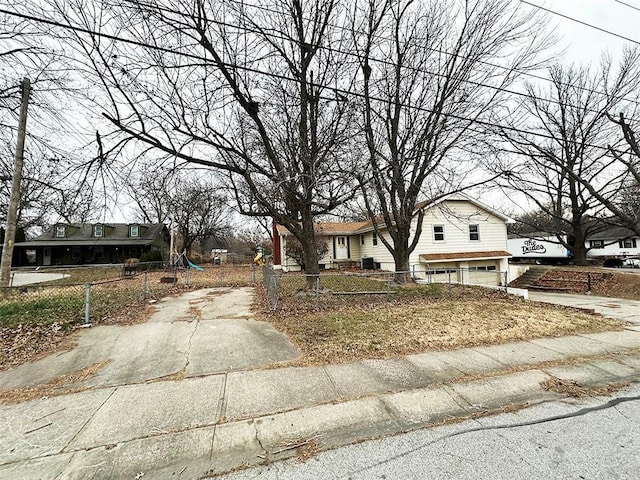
(631,263)
(613,263)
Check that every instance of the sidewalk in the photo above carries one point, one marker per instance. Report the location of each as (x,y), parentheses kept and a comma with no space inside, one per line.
(203,423)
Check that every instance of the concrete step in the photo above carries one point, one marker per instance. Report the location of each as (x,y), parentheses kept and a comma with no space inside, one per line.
(530,277)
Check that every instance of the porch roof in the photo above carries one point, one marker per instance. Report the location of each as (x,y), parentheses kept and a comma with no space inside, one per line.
(458,256)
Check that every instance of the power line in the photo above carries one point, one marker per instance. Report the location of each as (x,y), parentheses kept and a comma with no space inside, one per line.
(627,5)
(388,63)
(336,90)
(581,22)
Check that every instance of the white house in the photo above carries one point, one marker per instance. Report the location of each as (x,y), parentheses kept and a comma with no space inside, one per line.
(615,242)
(461,240)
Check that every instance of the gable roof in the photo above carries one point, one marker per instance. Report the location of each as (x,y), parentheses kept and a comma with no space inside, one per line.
(331,228)
(461,196)
(458,256)
(613,233)
(81,234)
(355,228)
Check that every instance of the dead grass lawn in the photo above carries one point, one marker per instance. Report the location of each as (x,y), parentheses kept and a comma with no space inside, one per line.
(421,320)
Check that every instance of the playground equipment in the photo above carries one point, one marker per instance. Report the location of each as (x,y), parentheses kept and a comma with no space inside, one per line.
(181,261)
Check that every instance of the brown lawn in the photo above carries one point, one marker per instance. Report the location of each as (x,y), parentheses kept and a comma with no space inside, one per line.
(421,319)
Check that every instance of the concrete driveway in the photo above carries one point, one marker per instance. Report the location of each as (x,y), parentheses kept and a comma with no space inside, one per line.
(619,308)
(197,333)
(19,279)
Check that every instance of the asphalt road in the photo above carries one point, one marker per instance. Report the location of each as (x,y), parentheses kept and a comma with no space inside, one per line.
(596,438)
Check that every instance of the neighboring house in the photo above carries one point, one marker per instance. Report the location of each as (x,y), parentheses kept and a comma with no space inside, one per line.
(462,239)
(83,243)
(614,242)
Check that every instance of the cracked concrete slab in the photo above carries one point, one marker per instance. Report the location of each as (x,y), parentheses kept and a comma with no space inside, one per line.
(264,392)
(230,345)
(233,441)
(45,426)
(235,303)
(139,411)
(182,307)
(181,455)
(136,352)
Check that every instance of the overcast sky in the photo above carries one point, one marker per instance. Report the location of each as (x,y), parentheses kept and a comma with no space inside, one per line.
(585,44)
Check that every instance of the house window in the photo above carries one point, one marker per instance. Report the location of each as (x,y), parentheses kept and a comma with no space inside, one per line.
(438,233)
(627,243)
(361,239)
(98,231)
(134,231)
(474,233)
(596,243)
(341,241)
(99,252)
(374,239)
(61,231)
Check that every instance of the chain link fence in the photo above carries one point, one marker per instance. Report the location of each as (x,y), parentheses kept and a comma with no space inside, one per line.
(280,285)
(92,295)
(331,287)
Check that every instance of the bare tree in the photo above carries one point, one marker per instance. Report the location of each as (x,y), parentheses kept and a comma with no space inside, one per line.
(256,91)
(432,72)
(52,187)
(198,207)
(199,212)
(560,159)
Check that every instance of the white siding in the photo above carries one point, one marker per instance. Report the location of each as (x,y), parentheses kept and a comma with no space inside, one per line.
(456,216)
(613,249)
(379,252)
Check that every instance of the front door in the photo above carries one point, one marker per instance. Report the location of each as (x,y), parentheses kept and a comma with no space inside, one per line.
(342,249)
(46,256)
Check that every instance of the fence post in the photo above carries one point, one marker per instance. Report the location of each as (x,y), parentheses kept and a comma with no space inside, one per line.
(87,303)
(145,289)
(188,277)
(253,273)
(318,291)
(588,283)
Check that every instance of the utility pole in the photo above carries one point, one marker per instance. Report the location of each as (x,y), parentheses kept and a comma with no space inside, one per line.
(12,213)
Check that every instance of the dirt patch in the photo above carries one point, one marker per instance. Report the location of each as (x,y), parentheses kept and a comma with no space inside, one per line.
(417,321)
(571,388)
(61,385)
(599,282)
(26,343)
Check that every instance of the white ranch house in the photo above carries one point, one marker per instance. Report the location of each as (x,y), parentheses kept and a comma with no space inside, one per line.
(462,240)
(615,242)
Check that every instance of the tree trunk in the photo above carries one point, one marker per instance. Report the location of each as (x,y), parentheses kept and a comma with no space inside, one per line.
(310,253)
(401,258)
(579,250)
